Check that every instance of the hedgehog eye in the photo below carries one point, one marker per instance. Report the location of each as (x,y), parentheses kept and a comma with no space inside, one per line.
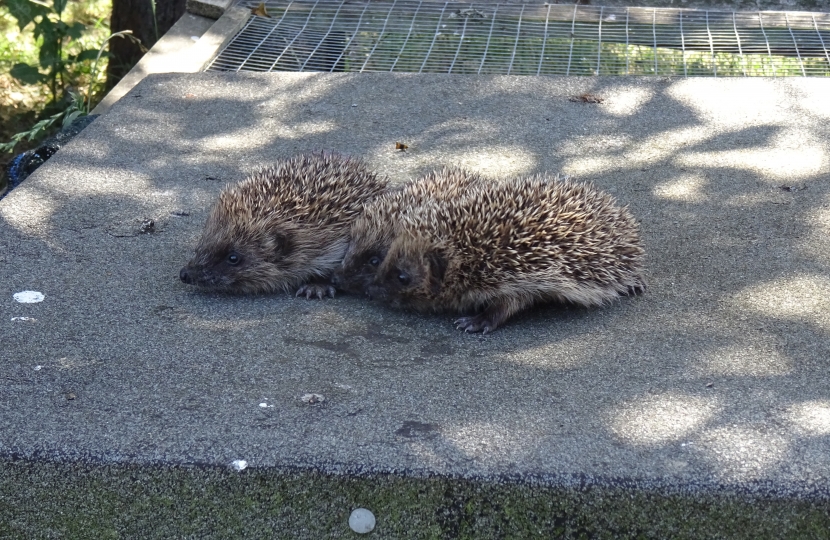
(233,259)
(374,261)
(404,279)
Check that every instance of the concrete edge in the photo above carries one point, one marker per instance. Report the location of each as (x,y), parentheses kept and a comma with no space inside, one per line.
(212,9)
(178,52)
(79,500)
(218,35)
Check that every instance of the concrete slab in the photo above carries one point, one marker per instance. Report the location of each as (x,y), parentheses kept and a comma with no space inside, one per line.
(714,380)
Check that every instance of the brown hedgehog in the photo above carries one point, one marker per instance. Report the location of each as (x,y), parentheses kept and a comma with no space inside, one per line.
(283,228)
(372,232)
(507,245)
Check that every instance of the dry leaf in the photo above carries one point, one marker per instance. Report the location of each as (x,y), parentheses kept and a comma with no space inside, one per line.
(587,98)
(259,11)
(401,146)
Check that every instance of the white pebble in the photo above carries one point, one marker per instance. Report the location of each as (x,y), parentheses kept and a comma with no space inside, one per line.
(239,464)
(362,521)
(38,368)
(313,398)
(263,405)
(29,297)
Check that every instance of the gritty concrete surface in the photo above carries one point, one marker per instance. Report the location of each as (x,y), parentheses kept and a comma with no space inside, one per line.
(714,380)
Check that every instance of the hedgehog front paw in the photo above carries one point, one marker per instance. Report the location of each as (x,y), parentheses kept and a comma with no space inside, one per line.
(478,323)
(316,290)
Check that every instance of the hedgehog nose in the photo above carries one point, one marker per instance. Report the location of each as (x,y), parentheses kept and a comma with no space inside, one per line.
(184,275)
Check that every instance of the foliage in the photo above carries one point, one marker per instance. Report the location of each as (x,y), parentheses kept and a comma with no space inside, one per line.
(55,65)
(67,115)
(62,60)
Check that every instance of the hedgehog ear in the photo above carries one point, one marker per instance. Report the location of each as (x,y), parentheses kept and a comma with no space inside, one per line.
(437,268)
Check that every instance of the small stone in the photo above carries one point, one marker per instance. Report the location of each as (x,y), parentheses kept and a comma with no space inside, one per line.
(70,396)
(362,521)
(38,368)
(239,464)
(311,399)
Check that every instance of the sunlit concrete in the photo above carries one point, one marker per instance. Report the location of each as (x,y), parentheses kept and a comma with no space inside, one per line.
(715,378)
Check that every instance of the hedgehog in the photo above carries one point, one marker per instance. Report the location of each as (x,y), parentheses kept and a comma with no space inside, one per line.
(284,228)
(372,232)
(507,245)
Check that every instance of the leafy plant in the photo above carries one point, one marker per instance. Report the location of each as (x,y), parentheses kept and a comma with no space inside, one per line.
(56,68)
(73,110)
(53,68)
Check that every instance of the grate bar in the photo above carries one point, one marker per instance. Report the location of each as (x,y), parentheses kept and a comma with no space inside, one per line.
(795,44)
(516,45)
(571,50)
(435,37)
(489,37)
(439,36)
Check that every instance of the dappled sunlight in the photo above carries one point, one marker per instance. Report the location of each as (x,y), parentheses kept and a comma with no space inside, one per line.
(744,361)
(686,188)
(810,417)
(230,140)
(649,151)
(494,161)
(803,298)
(663,418)
(817,241)
(793,154)
(29,210)
(808,85)
(565,353)
(493,443)
(626,102)
(741,453)
(736,103)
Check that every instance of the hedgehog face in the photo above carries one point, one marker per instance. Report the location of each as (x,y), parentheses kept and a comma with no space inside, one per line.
(411,275)
(367,250)
(240,260)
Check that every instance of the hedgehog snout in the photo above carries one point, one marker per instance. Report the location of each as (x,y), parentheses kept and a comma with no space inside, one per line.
(185,276)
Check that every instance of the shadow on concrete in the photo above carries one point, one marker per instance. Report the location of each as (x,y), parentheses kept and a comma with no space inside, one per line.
(714,377)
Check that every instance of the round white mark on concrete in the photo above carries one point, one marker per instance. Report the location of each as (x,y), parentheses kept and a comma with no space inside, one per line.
(263,405)
(28,297)
(362,521)
(239,464)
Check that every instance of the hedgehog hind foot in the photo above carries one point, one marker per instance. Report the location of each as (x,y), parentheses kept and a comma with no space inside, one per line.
(316,290)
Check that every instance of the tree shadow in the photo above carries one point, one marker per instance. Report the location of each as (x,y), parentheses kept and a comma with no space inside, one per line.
(716,374)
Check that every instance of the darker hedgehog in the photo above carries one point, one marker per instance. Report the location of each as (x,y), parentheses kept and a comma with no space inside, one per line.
(285,227)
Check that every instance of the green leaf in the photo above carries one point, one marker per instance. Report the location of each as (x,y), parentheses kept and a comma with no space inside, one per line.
(69,118)
(88,54)
(25,11)
(59,5)
(49,53)
(46,28)
(27,74)
(75,30)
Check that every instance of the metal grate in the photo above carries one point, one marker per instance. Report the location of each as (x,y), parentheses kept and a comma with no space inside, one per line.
(530,39)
